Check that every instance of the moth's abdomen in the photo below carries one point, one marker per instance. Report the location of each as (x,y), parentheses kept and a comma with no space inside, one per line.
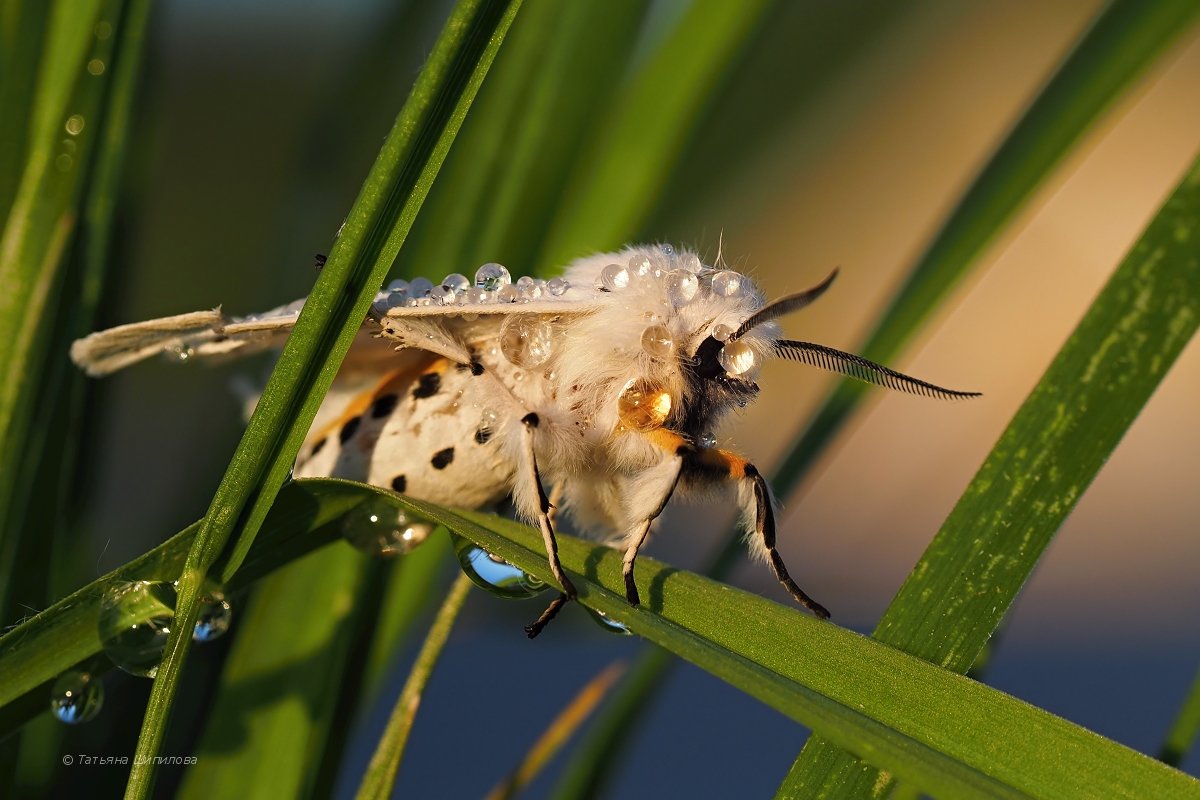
(419,431)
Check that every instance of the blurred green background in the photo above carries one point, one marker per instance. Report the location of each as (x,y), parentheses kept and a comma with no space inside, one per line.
(842,138)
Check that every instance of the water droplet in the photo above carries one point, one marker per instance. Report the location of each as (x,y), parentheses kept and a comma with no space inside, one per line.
(64,162)
(179,353)
(442,296)
(420,287)
(495,574)
(691,262)
(727,284)
(381,529)
(76,697)
(488,418)
(398,285)
(477,296)
(658,342)
(558,286)
(526,341)
(492,276)
(95,67)
(608,623)
(103,29)
(397,299)
(74,124)
(135,620)
(667,250)
(736,358)
(214,618)
(682,287)
(721,332)
(507,293)
(456,282)
(643,405)
(613,278)
(707,440)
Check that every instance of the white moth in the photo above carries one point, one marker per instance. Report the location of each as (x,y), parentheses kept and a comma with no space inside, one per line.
(606,384)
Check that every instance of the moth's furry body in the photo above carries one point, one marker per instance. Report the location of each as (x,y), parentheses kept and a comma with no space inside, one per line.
(608,389)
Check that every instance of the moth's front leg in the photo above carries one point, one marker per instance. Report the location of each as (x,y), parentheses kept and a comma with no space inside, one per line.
(648,498)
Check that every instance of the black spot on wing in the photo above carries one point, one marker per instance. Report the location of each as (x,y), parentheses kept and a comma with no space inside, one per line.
(442,458)
(483,435)
(348,429)
(316,448)
(399,483)
(384,405)
(427,385)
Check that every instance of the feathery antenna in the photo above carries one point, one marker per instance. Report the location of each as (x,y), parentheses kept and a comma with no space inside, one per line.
(818,355)
(784,305)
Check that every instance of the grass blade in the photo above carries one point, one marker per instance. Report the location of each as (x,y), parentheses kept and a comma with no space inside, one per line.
(1182,735)
(962,587)
(368,243)
(930,726)
(381,772)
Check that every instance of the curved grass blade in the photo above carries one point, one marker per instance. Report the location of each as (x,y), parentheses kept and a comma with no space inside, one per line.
(960,590)
(558,732)
(621,173)
(1182,735)
(929,726)
(380,777)
(367,245)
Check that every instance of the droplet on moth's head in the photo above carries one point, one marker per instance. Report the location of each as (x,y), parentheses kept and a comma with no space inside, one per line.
(76,697)
(682,287)
(736,358)
(492,276)
(493,573)
(456,282)
(721,332)
(380,529)
(526,340)
(644,405)
(214,618)
(135,620)
(557,286)
(613,278)
(658,342)
(691,262)
(420,287)
(727,284)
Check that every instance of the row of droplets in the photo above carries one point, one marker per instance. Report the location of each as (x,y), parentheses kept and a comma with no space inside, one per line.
(492,284)
(136,616)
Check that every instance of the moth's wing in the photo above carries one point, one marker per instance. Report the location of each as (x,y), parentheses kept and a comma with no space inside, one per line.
(198,334)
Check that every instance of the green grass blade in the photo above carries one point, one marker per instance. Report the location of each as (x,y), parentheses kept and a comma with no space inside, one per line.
(620,175)
(367,245)
(1124,40)
(927,725)
(1182,735)
(306,516)
(36,236)
(271,720)
(22,34)
(962,587)
(380,776)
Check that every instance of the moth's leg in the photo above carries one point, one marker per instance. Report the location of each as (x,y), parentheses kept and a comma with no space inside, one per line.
(537,626)
(529,472)
(721,463)
(656,488)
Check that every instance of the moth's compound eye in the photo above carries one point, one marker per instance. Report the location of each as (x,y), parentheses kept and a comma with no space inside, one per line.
(526,340)
(658,342)
(736,358)
(644,405)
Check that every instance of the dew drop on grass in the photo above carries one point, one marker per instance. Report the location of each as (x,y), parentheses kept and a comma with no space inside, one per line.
(494,574)
(135,620)
(607,623)
(380,529)
(215,615)
(77,697)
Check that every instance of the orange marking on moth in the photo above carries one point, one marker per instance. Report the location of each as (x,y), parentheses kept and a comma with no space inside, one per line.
(397,381)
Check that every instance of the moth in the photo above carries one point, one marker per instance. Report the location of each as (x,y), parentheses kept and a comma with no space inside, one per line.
(598,392)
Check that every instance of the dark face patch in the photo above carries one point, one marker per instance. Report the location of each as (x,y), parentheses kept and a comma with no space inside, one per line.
(427,385)
(442,458)
(384,405)
(710,392)
(348,429)
(399,483)
(483,435)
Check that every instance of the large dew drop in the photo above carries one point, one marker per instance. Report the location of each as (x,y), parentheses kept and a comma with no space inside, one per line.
(382,530)
(214,618)
(736,358)
(135,620)
(495,574)
(77,697)
(492,276)
(526,340)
